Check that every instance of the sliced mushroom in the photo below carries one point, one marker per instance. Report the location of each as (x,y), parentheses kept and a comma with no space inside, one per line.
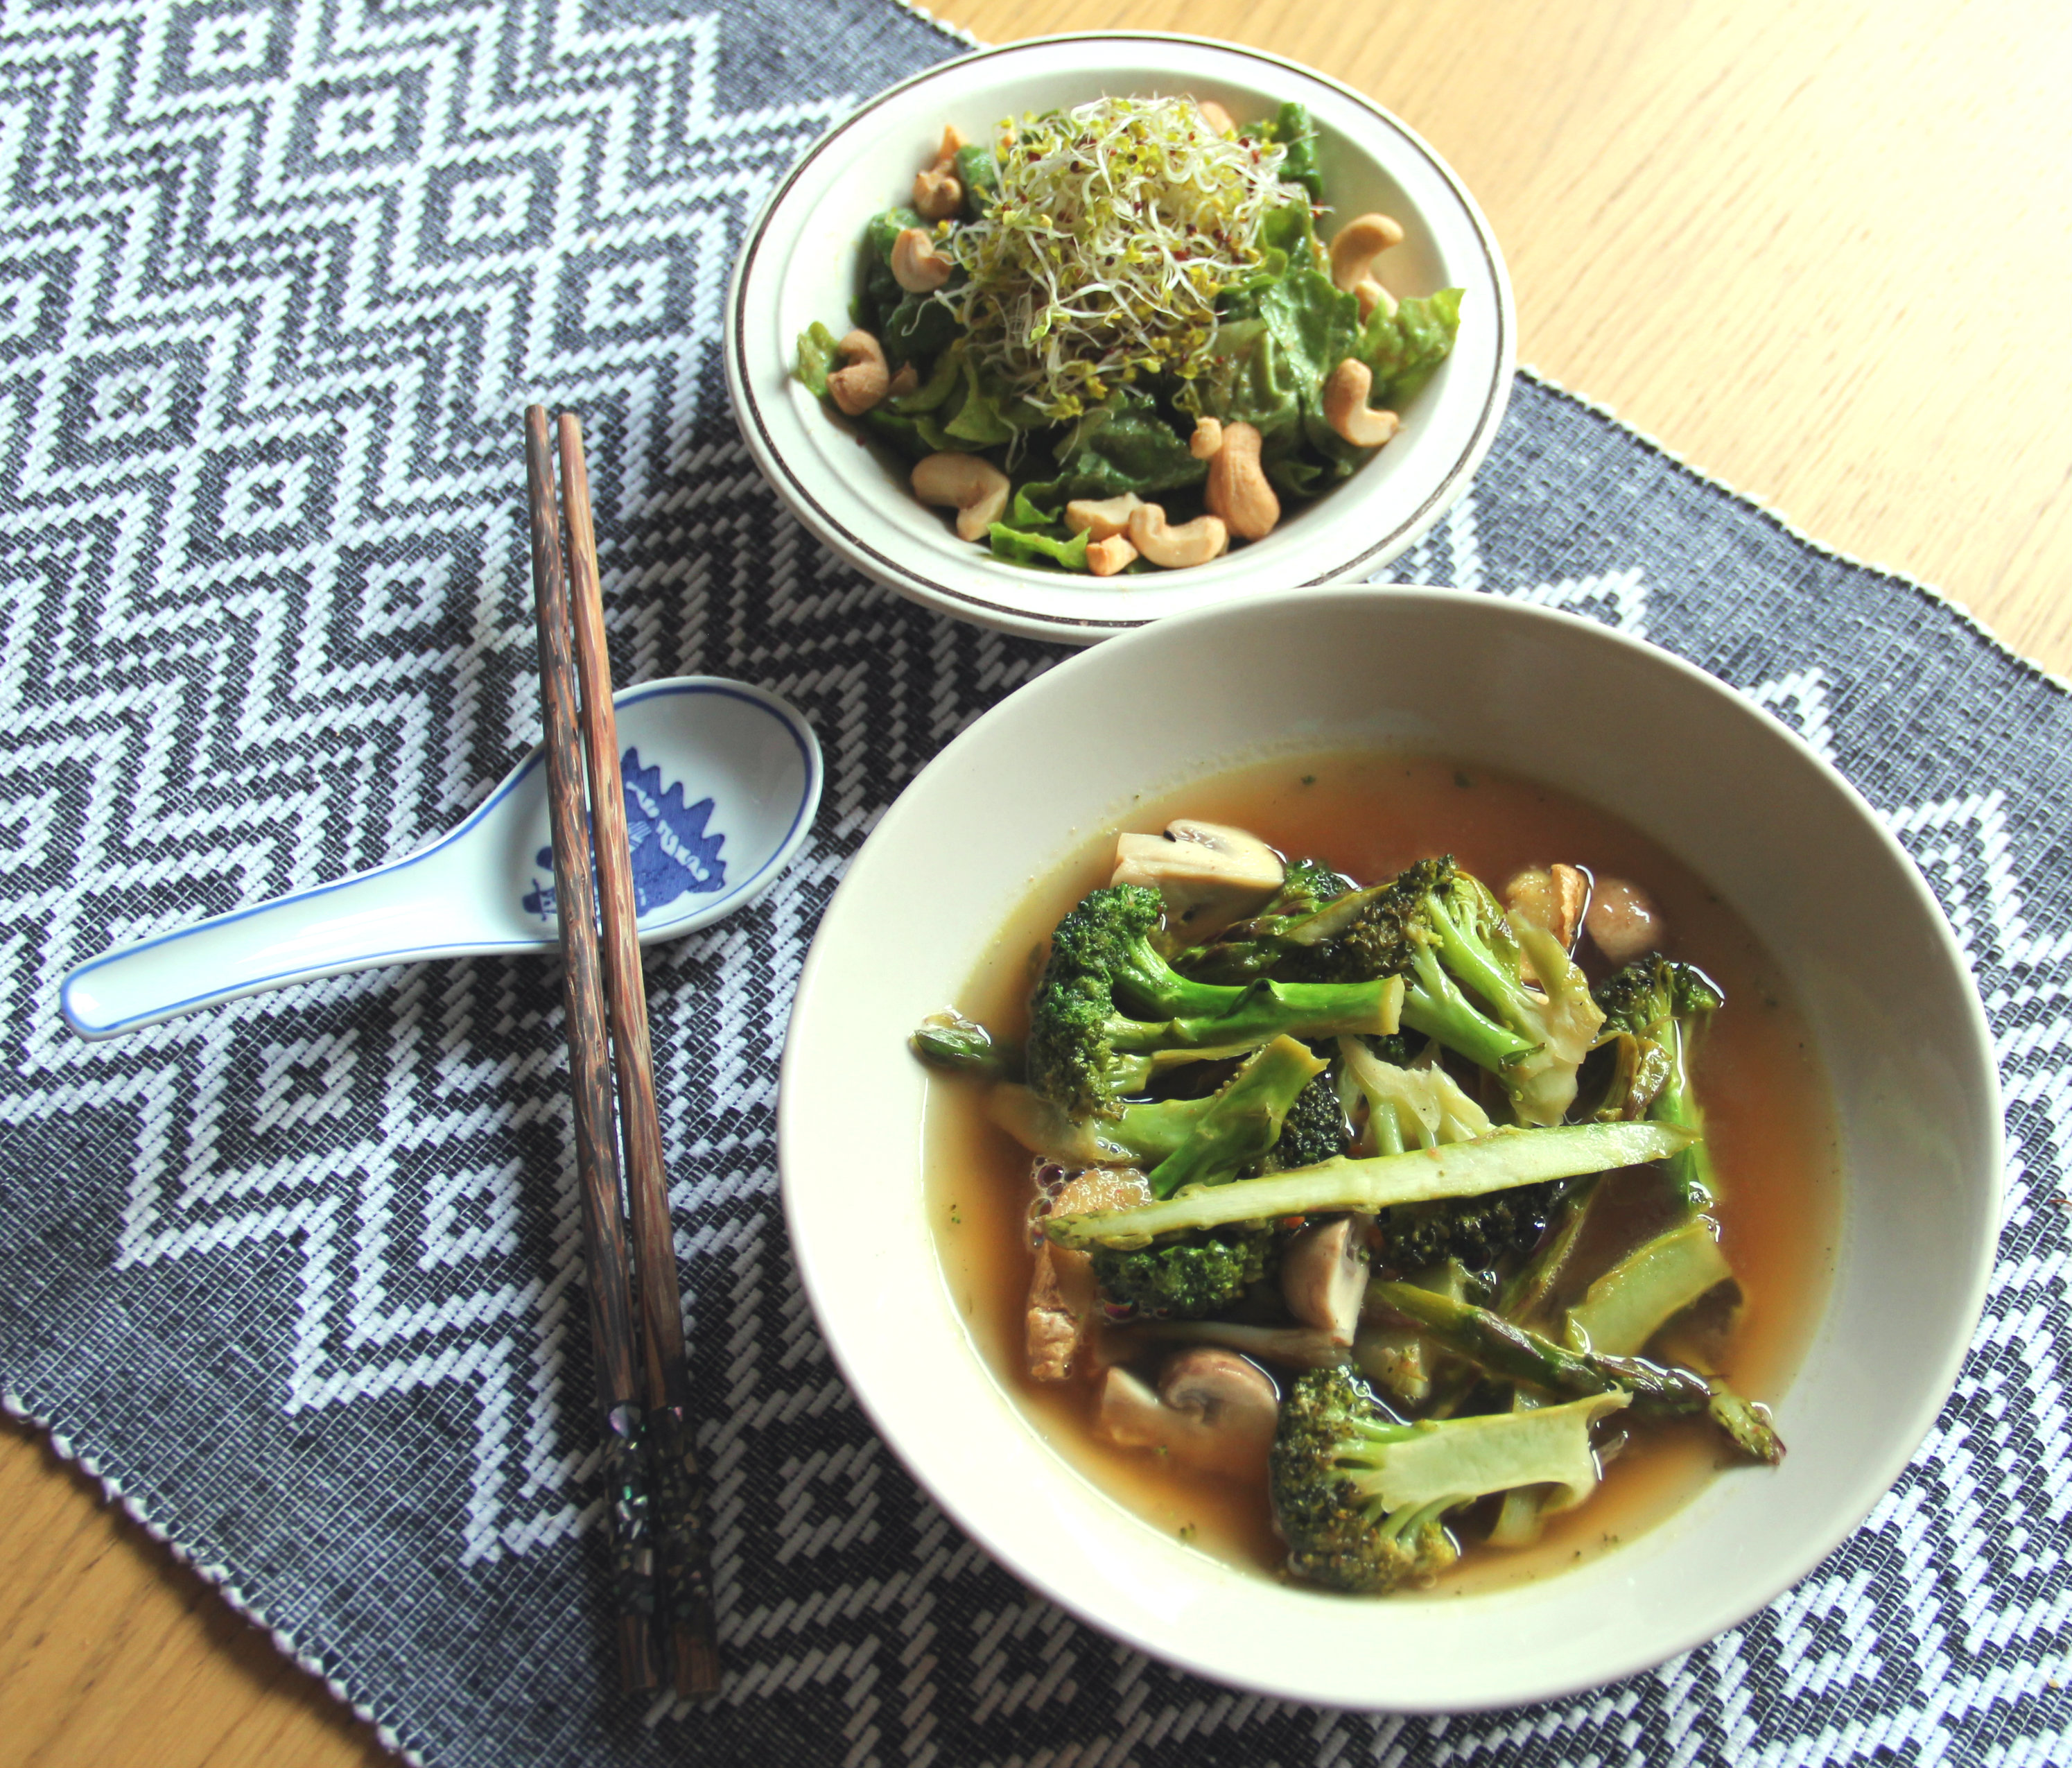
(1212,1410)
(1208,874)
(1623,920)
(1323,1276)
(1063,1298)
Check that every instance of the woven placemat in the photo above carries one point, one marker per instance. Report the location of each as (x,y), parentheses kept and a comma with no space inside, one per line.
(296,1277)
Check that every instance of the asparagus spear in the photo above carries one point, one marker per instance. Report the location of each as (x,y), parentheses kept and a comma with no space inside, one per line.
(1515,1354)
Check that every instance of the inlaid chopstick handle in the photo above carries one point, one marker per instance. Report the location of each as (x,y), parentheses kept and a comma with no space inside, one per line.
(676,1518)
(612,1329)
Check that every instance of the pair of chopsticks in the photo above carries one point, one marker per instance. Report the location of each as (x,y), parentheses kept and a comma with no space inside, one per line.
(661,1577)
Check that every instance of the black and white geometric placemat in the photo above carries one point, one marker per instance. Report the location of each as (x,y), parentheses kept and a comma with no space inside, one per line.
(298,1278)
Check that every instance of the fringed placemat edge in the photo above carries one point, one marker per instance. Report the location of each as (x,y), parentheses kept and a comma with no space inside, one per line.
(218,1578)
(1784,523)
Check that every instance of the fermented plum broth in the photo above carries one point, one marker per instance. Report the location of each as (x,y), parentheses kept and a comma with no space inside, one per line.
(1369,815)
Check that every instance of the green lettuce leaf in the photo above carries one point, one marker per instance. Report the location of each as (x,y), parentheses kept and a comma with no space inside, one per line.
(1021,548)
(1248,381)
(945,378)
(1026,515)
(1404,346)
(896,432)
(1315,323)
(817,355)
(1288,230)
(980,417)
(880,294)
(1297,475)
(917,328)
(1134,450)
(980,174)
(1295,130)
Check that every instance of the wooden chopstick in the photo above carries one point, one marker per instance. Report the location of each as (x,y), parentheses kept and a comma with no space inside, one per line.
(677,1512)
(612,1328)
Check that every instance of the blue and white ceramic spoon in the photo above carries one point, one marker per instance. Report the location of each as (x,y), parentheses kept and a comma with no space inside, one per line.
(721,783)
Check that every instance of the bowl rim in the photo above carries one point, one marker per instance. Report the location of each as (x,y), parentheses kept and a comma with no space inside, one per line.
(792,485)
(1703,1621)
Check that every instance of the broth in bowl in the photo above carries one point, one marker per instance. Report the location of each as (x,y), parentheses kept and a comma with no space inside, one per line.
(1667,1298)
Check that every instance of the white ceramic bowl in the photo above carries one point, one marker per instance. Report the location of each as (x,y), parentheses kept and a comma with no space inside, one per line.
(796,267)
(1720,784)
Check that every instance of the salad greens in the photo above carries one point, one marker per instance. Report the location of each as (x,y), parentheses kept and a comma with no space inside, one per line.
(1112,284)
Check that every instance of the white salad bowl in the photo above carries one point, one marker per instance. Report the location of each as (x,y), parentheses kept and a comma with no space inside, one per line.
(799,264)
(1717,783)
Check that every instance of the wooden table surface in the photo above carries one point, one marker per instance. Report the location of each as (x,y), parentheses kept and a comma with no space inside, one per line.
(1821,250)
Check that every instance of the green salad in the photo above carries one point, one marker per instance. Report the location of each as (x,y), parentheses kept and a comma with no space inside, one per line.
(1113,339)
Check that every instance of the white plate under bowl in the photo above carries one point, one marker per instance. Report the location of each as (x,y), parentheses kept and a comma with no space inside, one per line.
(1723,787)
(798,265)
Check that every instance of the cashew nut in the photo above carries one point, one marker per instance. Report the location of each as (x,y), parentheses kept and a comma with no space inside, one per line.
(938,195)
(903,383)
(1208,437)
(1372,295)
(1237,489)
(863,380)
(1192,543)
(1215,117)
(1357,244)
(917,267)
(974,488)
(1346,408)
(1104,518)
(1104,558)
(938,191)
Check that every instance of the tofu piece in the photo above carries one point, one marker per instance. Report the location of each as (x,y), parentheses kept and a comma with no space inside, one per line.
(1063,1298)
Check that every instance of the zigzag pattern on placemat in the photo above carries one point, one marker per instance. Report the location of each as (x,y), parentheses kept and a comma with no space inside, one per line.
(274,279)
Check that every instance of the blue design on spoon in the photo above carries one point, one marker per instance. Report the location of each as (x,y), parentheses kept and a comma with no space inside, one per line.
(672,855)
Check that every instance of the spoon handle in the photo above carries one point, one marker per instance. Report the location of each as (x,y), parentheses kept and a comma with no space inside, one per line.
(412,909)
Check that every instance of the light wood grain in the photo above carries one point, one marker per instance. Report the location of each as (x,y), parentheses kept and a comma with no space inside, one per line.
(1821,250)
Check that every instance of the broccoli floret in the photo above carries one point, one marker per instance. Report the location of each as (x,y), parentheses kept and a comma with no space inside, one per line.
(1333,1441)
(1308,886)
(1143,1134)
(1261,945)
(1298,937)
(1440,929)
(1314,1130)
(1106,996)
(1663,1006)
(1242,1122)
(1479,1232)
(1465,939)
(1362,1498)
(1184,1276)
